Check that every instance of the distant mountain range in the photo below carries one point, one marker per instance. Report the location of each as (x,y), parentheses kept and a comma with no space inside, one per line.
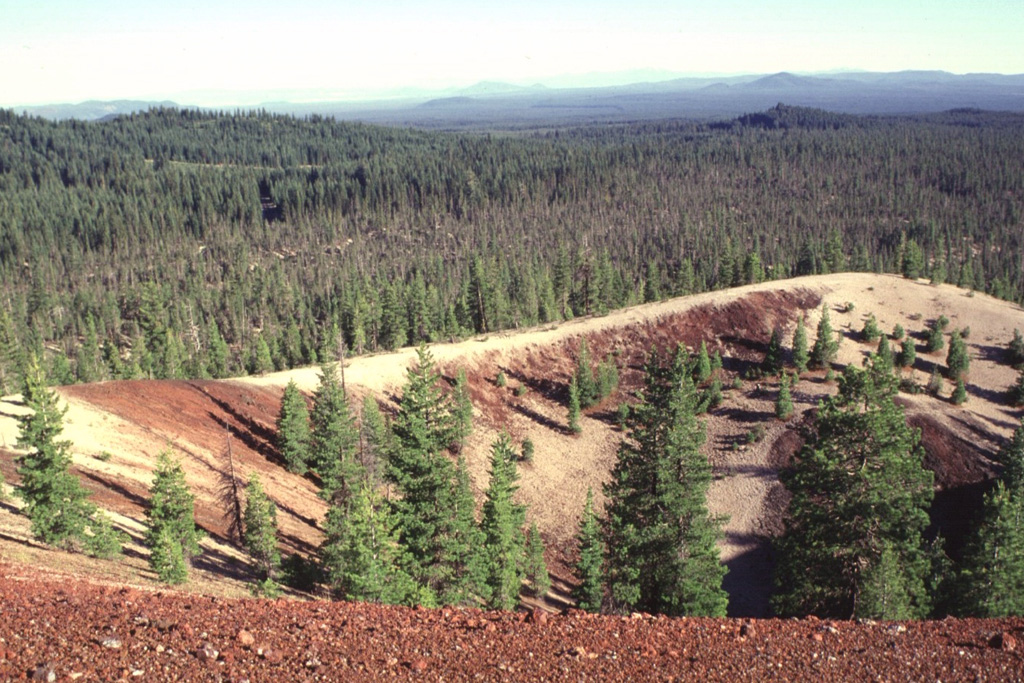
(497,104)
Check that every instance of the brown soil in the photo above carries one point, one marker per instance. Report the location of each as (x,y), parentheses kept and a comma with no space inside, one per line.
(78,630)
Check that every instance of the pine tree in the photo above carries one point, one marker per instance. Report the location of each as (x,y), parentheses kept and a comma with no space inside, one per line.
(908,353)
(1015,349)
(871,331)
(293,434)
(502,525)
(702,368)
(589,593)
(535,569)
(172,535)
(374,440)
(784,402)
(425,478)
(936,342)
(959,395)
(883,355)
(464,545)
(825,345)
(800,355)
(361,553)
(333,438)
(883,591)
(259,529)
(772,363)
(463,409)
(585,383)
(990,582)
(859,490)
(55,501)
(1015,395)
(958,361)
(573,421)
(661,540)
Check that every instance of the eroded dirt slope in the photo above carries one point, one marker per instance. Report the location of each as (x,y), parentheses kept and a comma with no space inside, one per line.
(118,428)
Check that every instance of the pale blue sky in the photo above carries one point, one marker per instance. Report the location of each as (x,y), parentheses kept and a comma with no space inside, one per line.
(218,52)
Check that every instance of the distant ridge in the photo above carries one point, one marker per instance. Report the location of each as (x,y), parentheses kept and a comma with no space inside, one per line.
(490,104)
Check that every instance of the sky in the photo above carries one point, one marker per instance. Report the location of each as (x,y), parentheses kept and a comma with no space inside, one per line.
(218,52)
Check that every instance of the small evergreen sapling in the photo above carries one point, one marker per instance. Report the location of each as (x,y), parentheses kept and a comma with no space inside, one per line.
(784,402)
(259,523)
(959,396)
(772,363)
(536,570)
(871,331)
(589,593)
(958,361)
(908,353)
(825,345)
(800,354)
(574,407)
(172,536)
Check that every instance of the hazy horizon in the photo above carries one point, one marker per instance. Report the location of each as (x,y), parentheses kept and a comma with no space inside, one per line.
(220,53)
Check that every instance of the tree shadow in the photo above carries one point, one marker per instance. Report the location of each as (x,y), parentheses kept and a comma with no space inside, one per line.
(119,489)
(255,444)
(548,388)
(542,420)
(750,580)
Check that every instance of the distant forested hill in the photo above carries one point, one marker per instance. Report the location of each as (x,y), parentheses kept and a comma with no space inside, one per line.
(178,243)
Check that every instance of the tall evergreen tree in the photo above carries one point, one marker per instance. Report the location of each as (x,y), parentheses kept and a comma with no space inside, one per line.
(259,529)
(859,491)
(1015,349)
(660,538)
(825,345)
(784,402)
(958,360)
(535,569)
(800,355)
(425,477)
(293,434)
(908,353)
(589,593)
(586,385)
(464,545)
(333,438)
(172,535)
(990,582)
(55,501)
(573,421)
(772,363)
(702,366)
(502,525)
(361,553)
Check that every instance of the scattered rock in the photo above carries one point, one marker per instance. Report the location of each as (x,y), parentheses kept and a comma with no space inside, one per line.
(748,631)
(246,639)
(1003,641)
(164,624)
(46,672)
(110,642)
(207,653)
(539,617)
(419,665)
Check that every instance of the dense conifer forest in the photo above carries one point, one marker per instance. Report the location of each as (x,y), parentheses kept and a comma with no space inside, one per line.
(179,243)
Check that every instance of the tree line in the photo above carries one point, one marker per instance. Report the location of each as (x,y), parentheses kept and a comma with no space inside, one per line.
(186,244)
